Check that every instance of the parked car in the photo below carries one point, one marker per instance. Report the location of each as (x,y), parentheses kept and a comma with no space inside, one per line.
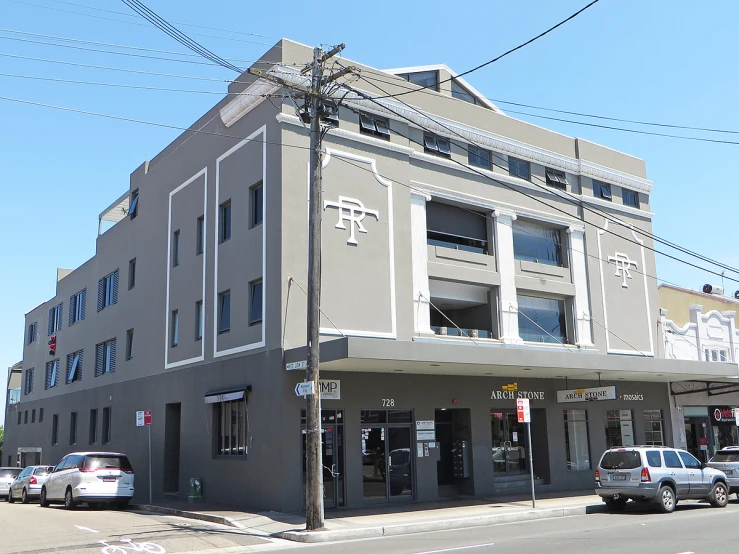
(92,477)
(28,483)
(657,474)
(727,460)
(400,471)
(7,476)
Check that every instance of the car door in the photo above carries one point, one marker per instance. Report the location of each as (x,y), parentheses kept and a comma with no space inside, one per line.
(700,484)
(55,481)
(17,486)
(678,473)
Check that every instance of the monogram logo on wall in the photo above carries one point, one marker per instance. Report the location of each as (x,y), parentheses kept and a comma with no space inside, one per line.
(623,265)
(353,211)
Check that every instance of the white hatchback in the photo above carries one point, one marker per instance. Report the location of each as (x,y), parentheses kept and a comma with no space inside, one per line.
(92,477)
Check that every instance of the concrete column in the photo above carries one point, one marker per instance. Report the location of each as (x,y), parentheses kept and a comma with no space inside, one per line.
(578,271)
(507,270)
(696,317)
(420,263)
(731,316)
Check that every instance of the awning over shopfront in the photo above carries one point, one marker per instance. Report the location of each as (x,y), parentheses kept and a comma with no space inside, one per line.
(224,395)
(709,387)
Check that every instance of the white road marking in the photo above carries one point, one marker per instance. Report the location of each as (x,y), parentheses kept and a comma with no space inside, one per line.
(687,553)
(86,529)
(457,548)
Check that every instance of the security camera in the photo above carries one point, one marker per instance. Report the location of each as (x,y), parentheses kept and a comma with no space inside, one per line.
(713,289)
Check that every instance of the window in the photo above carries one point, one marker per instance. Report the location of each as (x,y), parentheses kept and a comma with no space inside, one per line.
(535,243)
(28,382)
(52,373)
(176,248)
(25,417)
(461,93)
(224,312)
(426,79)
(77,307)
(32,333)
(653,428)
(105,357)
(41,415)
(255,302)
(55,429)
(716,354)
(436,145)
(175,339)
(374,125)
(33,416)
(132,274)
(225,221)
(671,459)
(603,190)
(519,168)
(133,209)
(689,460)
(630,198)
(479,157)
(20,415)
(73,428)
(55,318)
(198,320)
(541,319)
(621,460)
(129,344)
(200,244)
(232,428)
(556,179)
(74,367)
(576,440)
(257,204)
(106,425)
(108,290)
(458,228)
(619,428)
(93,426)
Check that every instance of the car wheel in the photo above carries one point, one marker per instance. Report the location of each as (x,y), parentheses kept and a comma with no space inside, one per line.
(42,498)
(10,497)
(616,505)
(719,496)
(666,499)
(69,503)
(24,497)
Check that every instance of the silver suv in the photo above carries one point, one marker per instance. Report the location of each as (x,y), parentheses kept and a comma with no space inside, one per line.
(727,460)
(657,474)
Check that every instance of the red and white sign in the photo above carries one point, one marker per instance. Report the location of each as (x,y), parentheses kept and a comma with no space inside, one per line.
(736,415)
(523,410)
(143,418)
(147,418)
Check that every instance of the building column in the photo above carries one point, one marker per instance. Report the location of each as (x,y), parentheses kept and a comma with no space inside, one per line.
(731,316)
(696,317)
(578,271)
(507,271)
(420,263)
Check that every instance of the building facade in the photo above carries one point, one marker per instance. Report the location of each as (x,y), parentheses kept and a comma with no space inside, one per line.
(469,259)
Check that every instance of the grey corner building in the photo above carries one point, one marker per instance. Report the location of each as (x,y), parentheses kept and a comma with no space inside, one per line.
(469,259)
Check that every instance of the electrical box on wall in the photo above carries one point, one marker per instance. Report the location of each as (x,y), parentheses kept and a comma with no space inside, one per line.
(461,459)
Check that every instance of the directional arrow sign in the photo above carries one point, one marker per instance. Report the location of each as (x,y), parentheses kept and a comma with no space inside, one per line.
(305,389)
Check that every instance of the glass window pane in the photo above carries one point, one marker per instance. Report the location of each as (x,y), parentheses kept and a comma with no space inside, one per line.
(576,440)
(382,126)
(443,145)
(429,143)
(366,123)
(541,319)
(535,243)
(373,416)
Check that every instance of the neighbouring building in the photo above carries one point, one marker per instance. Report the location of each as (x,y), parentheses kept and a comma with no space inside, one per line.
(459,274)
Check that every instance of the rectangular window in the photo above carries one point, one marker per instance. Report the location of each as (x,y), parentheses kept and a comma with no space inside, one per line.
(55,429)
(33,416)
(176,248)
(93,426)
(370,124)
(175,339)
(461,93)
(77,307)
(200,245)
(133,209)
(436,145)
(105,354)
(542,319)
(426,79)
(556,179)
(479,157)
(107,424)
(716,354)
(225,222)
(619,428)
(576,440)
(129,344)
(232,428)
(41,415)
(653,428)
(455,227)
(131,274)
(74,367)
(108,290)
(20,415)
(255,302)
(73,428)
(52,373)
(630,197)
(28,384)
(25,417)
(55,318)
(32,333)
(224,312)
(519,168)
(536,243)
(602,190)
(257,204)
(198,320)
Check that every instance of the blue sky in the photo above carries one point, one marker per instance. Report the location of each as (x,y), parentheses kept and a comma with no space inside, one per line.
(664,61)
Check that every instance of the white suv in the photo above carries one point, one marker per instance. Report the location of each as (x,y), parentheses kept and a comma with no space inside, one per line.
(92,477)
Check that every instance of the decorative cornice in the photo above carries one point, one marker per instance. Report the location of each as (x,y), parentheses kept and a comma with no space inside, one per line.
(247,101)
(601,173)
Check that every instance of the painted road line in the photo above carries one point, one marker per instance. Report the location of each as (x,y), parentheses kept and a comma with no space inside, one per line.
(457,549)
(86,529)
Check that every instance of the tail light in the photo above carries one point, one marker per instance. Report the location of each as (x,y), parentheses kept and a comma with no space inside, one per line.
(645,477)
(129,471)
(32,481)
(597,476)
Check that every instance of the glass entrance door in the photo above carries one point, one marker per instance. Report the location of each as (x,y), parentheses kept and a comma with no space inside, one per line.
(332,451)
(509,443)
(387,455)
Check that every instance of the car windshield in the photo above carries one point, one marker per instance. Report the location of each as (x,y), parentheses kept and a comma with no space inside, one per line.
(621,460)
(10,472)
(42,470)
(108,462)
(726,456)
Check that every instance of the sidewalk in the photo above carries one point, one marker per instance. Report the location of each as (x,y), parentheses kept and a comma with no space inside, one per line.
(389,519)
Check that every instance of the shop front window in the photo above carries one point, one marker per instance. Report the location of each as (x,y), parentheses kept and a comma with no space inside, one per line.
(653,435)
(576,440)
(619,428)
(232,428)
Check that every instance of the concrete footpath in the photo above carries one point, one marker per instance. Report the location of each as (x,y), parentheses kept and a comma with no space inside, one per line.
(389,520)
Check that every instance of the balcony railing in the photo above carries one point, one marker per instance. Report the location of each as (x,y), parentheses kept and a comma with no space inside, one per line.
(454,332)
(14,396)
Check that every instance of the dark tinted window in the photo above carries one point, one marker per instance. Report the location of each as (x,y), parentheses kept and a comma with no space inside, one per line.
(108,462)
(400,457)
(654,459)
(671,459)
(689,460)
(13,472)
(621,460)
(726,456)
(73,462)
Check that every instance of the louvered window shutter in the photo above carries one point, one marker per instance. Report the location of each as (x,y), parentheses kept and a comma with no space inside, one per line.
(83,301)
(115,287)
(32,372)
(101,293)
(78,376)
(48,375)
(60,311)
(51,321)
(112,356)
(99,360)
(72,310)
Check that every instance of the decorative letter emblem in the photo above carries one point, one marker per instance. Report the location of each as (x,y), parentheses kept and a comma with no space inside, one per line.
(353,211)
(623,265)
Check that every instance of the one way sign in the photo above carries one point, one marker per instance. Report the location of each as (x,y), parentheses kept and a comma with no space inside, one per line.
(305,389)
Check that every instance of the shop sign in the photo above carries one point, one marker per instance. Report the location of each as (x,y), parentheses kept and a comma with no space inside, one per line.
(511,392)
(586,395)
(635,396)
(330,389)
(425,425)
(736,415)
(723,414)
(426,435)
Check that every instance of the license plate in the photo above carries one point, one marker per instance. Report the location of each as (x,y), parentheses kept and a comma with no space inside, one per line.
(620,477)
(108,479)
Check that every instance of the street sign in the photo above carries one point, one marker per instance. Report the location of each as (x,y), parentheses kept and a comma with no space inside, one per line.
(296,365)
(305,389)
(147,418)
(523,410)
(139,419)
